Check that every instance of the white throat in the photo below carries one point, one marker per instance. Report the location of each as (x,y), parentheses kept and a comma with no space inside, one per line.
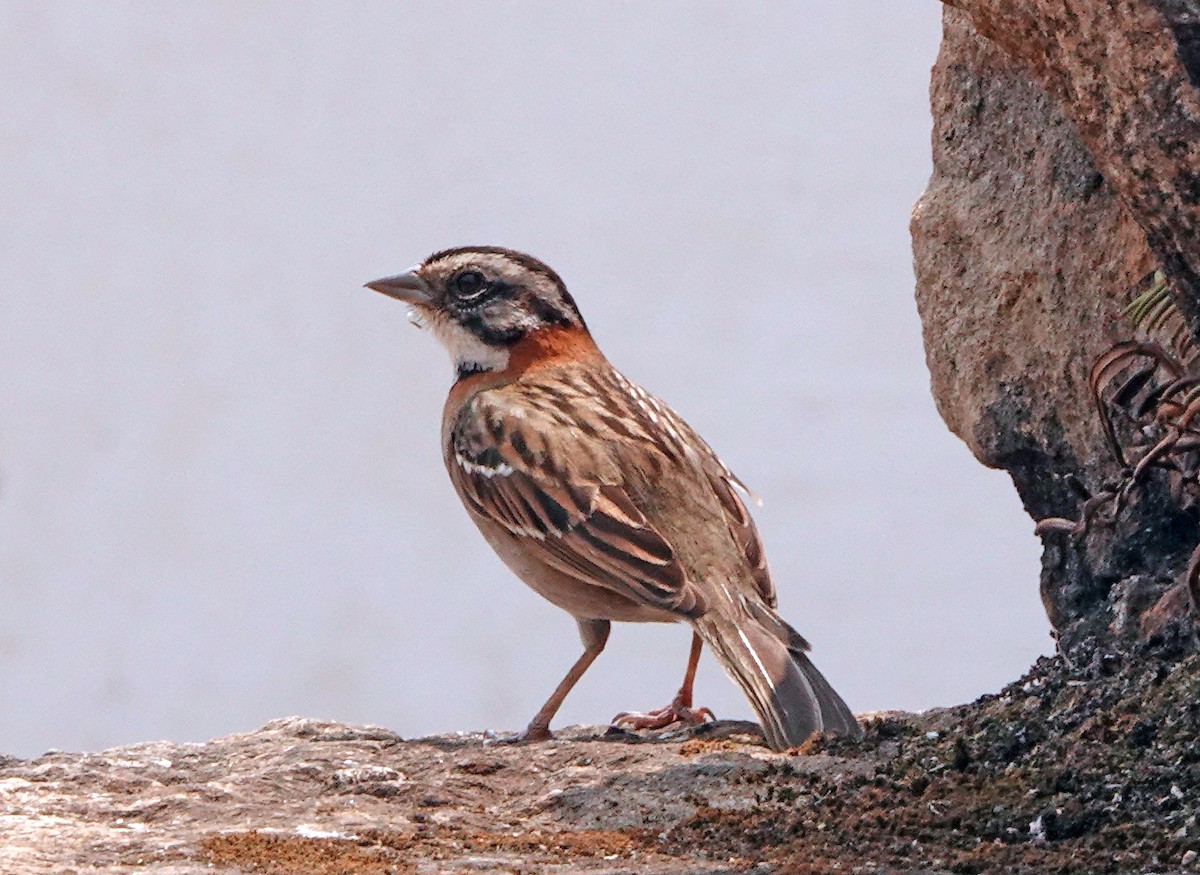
(467,352)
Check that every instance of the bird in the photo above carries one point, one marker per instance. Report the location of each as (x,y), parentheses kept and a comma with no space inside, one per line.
(599,496)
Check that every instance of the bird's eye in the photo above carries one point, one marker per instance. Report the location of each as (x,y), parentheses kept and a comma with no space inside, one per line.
(469,283)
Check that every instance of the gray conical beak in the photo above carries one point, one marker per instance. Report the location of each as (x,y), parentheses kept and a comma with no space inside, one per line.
(407,287)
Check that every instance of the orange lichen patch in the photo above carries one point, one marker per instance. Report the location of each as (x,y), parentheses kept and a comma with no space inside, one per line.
(698,746)
(581,843)
(276,854)
(543,845)
(815,743)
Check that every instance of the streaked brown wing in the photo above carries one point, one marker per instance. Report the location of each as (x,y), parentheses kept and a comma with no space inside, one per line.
(744,532)
(737,517)
(566,499)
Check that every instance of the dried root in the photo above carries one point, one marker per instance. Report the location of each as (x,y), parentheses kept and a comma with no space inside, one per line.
(1147,394)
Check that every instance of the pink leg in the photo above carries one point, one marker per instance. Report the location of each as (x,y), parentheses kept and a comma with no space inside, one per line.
(680,710)
(594,634)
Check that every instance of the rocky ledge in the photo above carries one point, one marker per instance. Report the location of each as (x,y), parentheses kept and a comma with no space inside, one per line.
(1073,768)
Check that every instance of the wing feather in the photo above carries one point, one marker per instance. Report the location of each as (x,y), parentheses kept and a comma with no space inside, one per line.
(726,486)
(567,499)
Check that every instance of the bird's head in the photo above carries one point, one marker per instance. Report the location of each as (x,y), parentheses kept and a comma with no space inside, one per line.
(482,301)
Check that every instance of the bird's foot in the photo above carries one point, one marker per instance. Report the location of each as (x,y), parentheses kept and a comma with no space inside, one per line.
(678,711)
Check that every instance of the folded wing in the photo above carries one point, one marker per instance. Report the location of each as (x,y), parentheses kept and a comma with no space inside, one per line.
(565,496)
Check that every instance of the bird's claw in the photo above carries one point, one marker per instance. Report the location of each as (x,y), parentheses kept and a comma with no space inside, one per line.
(676,712)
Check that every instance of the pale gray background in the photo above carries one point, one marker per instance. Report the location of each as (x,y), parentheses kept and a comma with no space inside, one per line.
(221,492)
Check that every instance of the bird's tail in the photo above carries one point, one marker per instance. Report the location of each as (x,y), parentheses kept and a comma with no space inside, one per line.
(766,658)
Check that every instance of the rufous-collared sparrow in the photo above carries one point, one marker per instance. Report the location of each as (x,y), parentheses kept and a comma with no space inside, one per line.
(599,496)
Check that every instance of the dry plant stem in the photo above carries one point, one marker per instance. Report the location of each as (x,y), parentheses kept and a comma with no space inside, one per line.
(1055,524)
(1157,453)
(1160,406)
(1171,409)
(1108,365)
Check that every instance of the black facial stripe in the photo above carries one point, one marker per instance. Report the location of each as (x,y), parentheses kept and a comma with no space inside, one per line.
(547,312)
(490,334)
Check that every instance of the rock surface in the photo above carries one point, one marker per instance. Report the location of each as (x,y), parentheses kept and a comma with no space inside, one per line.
(1066,150)
(307,796)
(1066,770)
(1127,76)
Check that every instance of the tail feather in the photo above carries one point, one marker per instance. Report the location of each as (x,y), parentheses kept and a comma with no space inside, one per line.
(837,717)
(767,660)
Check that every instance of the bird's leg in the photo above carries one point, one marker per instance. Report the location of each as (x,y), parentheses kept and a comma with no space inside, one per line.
(680,710)
(594,634)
